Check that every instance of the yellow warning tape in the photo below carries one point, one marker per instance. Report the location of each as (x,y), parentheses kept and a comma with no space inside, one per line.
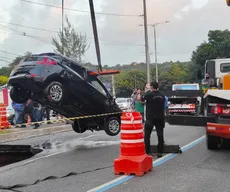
(72,118)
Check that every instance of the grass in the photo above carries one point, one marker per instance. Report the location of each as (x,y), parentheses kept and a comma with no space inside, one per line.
(5,131)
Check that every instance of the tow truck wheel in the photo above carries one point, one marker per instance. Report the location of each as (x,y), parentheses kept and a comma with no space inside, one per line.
(113,126)
(212,142)
(78,127)
(19,95)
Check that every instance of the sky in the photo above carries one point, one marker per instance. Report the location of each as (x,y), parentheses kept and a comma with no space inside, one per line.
(121,37)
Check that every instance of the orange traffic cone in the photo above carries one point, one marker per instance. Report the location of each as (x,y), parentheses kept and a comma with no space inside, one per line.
(4,123)
(132,159)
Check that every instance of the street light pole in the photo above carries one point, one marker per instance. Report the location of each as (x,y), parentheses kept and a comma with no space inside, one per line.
(62,46)
(146,42)
(155,46)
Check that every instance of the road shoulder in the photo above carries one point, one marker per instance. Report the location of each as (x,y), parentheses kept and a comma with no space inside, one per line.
(14,134)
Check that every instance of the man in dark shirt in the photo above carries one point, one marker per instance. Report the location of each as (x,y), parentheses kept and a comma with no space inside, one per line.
(155,116)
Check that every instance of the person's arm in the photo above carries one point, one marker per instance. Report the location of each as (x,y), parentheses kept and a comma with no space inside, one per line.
(144,96)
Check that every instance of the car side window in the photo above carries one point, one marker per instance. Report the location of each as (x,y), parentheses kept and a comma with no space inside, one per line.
(98,86)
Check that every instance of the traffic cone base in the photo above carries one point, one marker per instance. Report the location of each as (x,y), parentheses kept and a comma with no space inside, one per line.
(138,165)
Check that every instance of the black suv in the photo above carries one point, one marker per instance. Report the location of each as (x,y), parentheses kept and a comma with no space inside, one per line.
(68,88)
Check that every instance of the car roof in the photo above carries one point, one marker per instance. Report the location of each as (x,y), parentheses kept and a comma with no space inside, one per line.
(59,57)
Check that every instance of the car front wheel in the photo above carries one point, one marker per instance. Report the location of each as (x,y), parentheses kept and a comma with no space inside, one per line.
(54,92)
(113,126)
(19,95)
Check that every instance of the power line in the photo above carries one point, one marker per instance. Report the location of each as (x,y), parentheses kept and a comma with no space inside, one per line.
(9,53)
(30,27)
(4,60)
(3,57)
(43,38)
(77,10)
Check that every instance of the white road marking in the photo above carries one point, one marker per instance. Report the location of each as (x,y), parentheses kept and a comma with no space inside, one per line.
(124,178)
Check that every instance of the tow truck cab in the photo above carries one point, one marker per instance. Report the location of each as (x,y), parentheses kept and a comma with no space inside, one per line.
(217,68)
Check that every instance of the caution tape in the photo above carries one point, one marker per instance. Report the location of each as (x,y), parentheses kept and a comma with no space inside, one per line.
(70,119)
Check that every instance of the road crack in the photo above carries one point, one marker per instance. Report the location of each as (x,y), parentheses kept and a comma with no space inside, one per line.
(16,186)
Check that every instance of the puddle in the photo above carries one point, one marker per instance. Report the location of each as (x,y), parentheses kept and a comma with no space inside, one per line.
(14,153)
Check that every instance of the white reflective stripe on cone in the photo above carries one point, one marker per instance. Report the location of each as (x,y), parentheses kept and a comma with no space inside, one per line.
(131,122)
(132,141)
(132,131)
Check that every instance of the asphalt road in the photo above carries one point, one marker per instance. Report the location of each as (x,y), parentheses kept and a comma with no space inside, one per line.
(89,157)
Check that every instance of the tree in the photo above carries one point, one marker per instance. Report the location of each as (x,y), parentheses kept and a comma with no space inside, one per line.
(3,80)
(127,79)
(18,59)
(218,46)
(5,71)
(74,45)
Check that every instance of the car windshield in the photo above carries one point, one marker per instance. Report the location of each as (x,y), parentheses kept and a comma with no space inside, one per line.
(185,87)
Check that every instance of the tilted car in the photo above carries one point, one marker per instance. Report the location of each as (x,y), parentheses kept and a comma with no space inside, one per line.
(68,88)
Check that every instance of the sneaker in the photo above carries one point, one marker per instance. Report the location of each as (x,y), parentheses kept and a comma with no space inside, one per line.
(49,122)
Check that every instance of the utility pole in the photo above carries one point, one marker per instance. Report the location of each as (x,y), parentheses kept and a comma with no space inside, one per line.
(155,46)
(62,27)
(96,40)
(113,87)
(147,57)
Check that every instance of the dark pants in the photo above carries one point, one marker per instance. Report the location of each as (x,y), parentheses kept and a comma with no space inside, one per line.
(47,110)
(143,117)
(159,125)
(33,114)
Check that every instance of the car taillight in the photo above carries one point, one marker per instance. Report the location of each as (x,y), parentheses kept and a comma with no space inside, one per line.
(216,110)
(46,61)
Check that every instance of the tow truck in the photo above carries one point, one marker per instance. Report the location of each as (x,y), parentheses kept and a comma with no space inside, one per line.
(184,104)
(215,106)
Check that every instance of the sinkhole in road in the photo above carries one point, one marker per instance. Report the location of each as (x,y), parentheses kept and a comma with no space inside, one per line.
(14,153)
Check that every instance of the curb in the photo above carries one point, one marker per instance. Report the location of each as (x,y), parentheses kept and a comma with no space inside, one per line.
(17,135)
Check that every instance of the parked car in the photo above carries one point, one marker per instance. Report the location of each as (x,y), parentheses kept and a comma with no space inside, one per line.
(124,103)
(68,88)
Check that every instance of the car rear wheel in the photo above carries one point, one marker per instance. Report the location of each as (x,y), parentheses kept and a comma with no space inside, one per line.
(79,127)
(113,126)
(19,95)
(54,92)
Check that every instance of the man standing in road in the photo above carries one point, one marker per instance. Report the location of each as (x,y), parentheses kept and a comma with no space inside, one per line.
(155,116)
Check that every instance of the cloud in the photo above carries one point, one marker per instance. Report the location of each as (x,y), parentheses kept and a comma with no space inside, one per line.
(121,38)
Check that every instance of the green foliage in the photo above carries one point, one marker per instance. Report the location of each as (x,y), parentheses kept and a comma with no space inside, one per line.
(18,59)
(128,79)
(3,80)
(5,71)
(74,45)
(218,46)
